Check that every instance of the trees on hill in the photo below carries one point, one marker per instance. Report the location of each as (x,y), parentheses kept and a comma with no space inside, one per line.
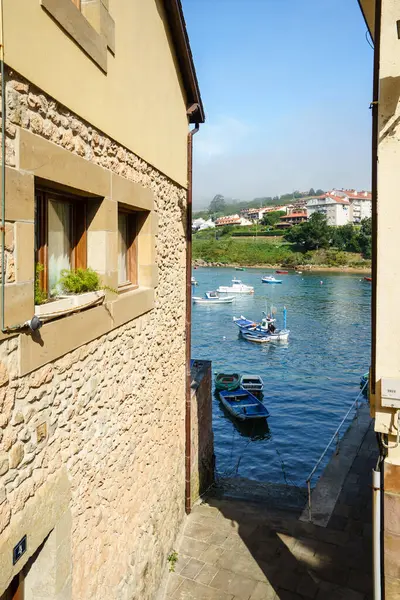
(311,235)
(217,204)
(316,233)
(272,218)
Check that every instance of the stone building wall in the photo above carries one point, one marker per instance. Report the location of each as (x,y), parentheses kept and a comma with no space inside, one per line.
(113,408)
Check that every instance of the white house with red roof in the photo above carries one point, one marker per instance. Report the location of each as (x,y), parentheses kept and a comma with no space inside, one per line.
(360,204)
(342,206)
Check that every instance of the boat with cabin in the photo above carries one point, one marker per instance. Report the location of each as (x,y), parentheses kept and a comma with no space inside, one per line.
(270,279)
(213,298)
(265,327)
(243,405)
(237,287)
(193,281)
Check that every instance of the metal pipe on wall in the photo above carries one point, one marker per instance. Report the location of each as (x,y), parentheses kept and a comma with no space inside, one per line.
(188,399)
(376,534)
(374,186)
(376,475)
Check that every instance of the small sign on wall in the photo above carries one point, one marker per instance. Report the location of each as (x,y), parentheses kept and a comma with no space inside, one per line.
(19,550)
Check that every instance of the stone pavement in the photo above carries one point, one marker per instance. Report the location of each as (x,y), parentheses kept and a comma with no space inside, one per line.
(238,550)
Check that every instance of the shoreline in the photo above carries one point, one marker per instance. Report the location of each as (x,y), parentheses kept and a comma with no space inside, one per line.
(304,269)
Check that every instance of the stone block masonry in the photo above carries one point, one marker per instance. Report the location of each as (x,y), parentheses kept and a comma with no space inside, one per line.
(112,410)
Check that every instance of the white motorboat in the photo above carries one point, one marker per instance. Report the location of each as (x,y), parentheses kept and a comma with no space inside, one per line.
(193,281)
(237,287)
(213,298)
(252,383)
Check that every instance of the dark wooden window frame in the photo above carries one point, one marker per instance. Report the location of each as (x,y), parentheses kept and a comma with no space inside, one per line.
(78,233)
(132,250)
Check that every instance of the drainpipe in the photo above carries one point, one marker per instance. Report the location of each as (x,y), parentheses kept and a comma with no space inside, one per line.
(188,400)
(374,185)
(376,534)
(376,473)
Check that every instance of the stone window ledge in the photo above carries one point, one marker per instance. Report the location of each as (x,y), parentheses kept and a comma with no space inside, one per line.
(93,43)
(57,338)
(67,305)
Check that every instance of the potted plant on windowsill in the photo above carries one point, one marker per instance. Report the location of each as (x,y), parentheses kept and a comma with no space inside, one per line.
(76,290)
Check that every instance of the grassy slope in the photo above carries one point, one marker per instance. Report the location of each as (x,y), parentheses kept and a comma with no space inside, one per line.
(273,251)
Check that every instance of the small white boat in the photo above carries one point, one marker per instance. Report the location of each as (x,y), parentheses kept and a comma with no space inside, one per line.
(237,287)
(270,279)
(252,383)
(193,281)
(213,298)
(257,339)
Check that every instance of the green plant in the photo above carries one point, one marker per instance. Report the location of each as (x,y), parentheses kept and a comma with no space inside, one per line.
(79,281)
(40,295)
(172,559)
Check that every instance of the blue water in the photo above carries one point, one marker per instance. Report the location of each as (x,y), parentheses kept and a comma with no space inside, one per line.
(310,381)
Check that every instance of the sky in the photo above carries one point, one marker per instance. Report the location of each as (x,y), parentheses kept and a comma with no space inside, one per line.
(286,86)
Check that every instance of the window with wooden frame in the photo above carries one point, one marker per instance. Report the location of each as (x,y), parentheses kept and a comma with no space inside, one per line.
(127,249)
(60,236)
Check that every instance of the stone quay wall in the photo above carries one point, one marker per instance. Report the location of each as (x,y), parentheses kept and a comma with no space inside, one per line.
(114,408)
(202,441)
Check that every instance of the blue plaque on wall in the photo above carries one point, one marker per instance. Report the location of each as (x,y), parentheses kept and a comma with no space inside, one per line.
(19,550)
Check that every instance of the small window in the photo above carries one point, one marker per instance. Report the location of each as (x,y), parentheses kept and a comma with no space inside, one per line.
(127,248)
(60,236)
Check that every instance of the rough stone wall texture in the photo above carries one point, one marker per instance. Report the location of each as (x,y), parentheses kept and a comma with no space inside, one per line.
(114,408)
(202,447)
(391,524)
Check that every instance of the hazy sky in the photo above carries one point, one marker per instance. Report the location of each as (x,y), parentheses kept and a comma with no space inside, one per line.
(286,86)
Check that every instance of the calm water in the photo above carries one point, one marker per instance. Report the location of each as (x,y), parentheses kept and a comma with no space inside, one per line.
(310,380)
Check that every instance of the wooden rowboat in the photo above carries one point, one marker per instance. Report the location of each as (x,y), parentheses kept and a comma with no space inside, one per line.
(243,405)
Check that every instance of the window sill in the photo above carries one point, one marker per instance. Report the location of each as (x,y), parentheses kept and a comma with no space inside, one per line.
(61,336)
(129,287)
(68,304)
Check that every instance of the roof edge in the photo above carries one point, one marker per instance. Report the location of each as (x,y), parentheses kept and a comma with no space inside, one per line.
(367,8)
(177,26)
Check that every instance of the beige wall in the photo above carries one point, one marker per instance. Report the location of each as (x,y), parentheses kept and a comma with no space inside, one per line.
(386,332)
(387,326)
(139,102)
(92,409)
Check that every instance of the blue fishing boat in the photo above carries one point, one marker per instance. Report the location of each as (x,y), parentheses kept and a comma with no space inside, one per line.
(364,383)
(242,405)
(265,328)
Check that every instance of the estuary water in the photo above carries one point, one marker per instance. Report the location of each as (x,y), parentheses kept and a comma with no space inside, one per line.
(310,381)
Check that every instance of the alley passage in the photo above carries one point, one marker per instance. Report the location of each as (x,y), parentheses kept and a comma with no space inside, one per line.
(234,550)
